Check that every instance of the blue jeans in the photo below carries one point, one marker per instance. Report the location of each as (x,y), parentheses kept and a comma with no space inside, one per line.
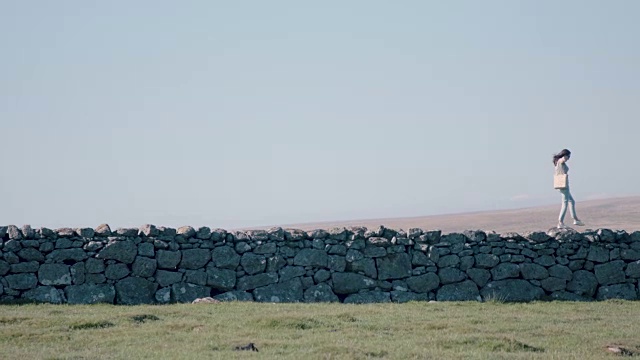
(567,199)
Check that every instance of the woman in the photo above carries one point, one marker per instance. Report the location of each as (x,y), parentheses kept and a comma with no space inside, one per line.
(560,162)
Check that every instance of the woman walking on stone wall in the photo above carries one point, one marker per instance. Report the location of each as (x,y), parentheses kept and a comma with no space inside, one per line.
(561,182)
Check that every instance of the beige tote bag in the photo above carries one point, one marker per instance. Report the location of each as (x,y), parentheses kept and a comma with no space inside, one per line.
(560,181)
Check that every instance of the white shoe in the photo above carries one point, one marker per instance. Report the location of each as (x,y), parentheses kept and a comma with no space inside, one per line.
(561,226)
(578,223)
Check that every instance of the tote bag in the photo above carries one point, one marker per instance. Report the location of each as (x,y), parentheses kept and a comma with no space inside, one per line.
(560,181)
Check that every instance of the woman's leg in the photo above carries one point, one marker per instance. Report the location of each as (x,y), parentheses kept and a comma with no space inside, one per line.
(572,206)
(565,200)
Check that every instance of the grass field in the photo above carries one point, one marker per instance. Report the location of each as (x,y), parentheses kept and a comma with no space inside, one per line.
(493,330)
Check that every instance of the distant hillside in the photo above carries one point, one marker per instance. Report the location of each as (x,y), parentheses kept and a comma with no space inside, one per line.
(613,213)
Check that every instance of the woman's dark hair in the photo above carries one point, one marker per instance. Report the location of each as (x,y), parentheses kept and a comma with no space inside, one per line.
(560,155)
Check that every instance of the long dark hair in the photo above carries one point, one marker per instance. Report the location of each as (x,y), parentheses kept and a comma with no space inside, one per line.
(560,155)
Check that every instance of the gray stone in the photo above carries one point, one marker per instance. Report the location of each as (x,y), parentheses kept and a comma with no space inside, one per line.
(195,258)
(480,276)
(420,259)
(64,255)
(168,259)
(545,260)
(561,271)
(449,261)
(505,271)
(374,251)
(365,266)
(117,271)
(423,283)
(94,266)
(124,251)
(307,282)
(93,246)
(275,263)
(311,257)
(44,294)
(21,281)
(186,231)
(95,278)
(321,276)
(203,233)
(598,254)
(268,248)
(337,263)
(576,265)
(135,290)
(3,232)
(610,273)
(31,254)
(320,293)
(64,243)
(256,281)
(486,261)
(242,247)
(103,230)
(533,271)
(394,266)
(11,258)
(466,262)
(619,291)
(85,232)
(126,232)
(234,296)
(221,279)
(144,267)
(14,232)
(337,250)
(146,249)
(225,257)
(25,267)
(552,284)
(90,294)
(353,255)
(163,296)
(633,270)
(78,273)
(583,283)
(289,291)
(511,290)
(165,278)
(630,254)
(463,291)
(451,275)
(54,274)
(290,272)
(186,293)
(252,263)
(369,297)
(4,267)
(148,230)
(349,283)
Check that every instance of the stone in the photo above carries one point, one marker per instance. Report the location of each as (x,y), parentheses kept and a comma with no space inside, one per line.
(365,266)
(349,283)
(187,232)
(187,293)
(94,266)
(311,257)
(275,263)
(290,272)
(117,271)
(289,291)
(466,262)
(568,296)
(630,255)
(354,255)
(221,279)
(64,243)
(394,266)
(511,290)
(4,267)
(374,251)
(253,264)
(168,259)
(369,297)
(449,261)
(486,261)
(583,283)
(320,293)
(545,260)
(144,267)
(423,283)
(462,291)
(93,246)
(610,273)
(321,275)
(256,281)
(124,251)
(505,271)
(127,232)
(95,278)
(90,294)
(44,294)
(337,263)
(598,254)
(203,233)
(195,258)
(337,250)
(85,232)
(264,249)
(552,284)
(135,290)
(66,255)
(163,296)
(234,296)
(225,257)
(14,232)
(165,278)
(78,273)
(31,254)
(242,247)
(146,249)
(25,267)
(451,275)
(561,271)
(533,271)
(103,230)
(54,274)
(633,270)
(23,281)
(148,230)
(620,291)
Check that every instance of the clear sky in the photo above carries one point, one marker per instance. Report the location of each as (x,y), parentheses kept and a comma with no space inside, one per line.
(247,113)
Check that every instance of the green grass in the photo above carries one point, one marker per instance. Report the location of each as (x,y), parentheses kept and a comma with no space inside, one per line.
(494,330)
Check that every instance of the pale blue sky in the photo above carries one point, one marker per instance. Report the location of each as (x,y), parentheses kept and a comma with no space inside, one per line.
(248,113)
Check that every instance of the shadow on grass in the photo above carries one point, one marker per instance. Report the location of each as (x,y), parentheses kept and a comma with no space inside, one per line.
(92,325)
(494,344)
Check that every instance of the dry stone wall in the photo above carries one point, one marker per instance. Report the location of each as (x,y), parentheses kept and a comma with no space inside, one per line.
(350,265)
